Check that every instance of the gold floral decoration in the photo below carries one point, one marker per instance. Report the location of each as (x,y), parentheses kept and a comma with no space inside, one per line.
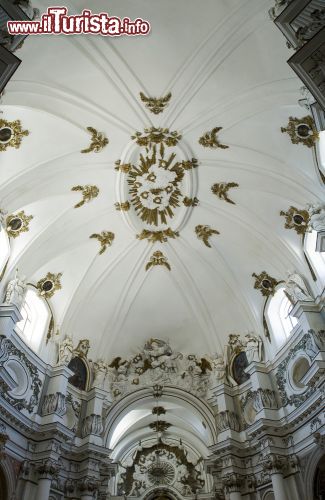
(265,283)
(204,233)
(156,136)
(17,224)
(158,410)
(221,189)
(190,202)
(124,206)
(49,285)
(158,259)
(210,139)
(301,131)
(157,236)
(159,426)
(105,239)
(296,219)
(154,104)
(98,141)
(189,164)
(88,192)
(123,167)
(11,134)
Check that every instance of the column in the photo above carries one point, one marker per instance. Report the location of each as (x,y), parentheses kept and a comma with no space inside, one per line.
(232,484)
(274,465)
(46,470)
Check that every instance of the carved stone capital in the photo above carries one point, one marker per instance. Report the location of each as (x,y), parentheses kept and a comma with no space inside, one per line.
(232,482)
(274,464)
(92,424)
(88,485)
(48,469)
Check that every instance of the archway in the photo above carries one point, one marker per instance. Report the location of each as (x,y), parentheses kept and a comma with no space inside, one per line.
(319,480)
(3,486)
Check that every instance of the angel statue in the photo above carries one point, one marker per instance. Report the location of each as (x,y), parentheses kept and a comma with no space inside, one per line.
(100,372)
(16,290)
(295,288)
(253,348)
(65,351)
(317,216)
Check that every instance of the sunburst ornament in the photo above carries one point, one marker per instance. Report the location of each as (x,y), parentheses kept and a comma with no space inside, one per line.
(161,473)
(11,134)
(49,285)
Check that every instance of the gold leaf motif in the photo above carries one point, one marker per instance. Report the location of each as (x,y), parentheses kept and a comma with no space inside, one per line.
(265,283)
(221,189)
(158,259)
(124,206)
(301,131)
(296,219)
(158,410)
(210,140)
(204,233)
(154,104)
(123,167)
(89,192)
(155,135)
(49,285)
(11,134)
(159,426)
(189,164)
(98,141)
(190,202)
(105,239)
(17,224)
(157,236)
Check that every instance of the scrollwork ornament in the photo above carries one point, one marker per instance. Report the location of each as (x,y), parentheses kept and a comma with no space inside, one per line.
(11,134)
(98,141)
(296,219)
(154,104)
(265,283)
(210,139)
(48,285)
(301,131)
(17,224)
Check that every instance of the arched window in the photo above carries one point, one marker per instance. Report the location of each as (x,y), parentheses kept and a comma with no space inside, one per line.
(320,152)
(317,259)
(36,316)
(278,317)
(4,249)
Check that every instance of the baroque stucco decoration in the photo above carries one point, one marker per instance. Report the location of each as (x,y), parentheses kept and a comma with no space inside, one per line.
(11,134)
(17,224)
(156,104)
(88,193)
(296,219)
(210,139)
(301,131)
(48,285)
(265,283)
(221,189)
(105,239)
(98,141)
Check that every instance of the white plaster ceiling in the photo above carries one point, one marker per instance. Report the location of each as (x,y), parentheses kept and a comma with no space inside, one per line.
(225,64)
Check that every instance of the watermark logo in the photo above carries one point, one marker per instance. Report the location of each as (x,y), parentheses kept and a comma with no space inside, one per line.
(56,21)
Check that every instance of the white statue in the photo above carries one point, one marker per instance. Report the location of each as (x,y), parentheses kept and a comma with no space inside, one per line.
(65,351)
(3,214)
(218,369)
(100,372)
(157,351)
(16,290)
(82,348)
(296,289)
(253,348)
(278,8)
(317,216)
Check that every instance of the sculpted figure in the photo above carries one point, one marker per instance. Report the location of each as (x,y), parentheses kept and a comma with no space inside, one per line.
(278,8)
(82,348)
(296,289)
(218,369)
(157,351)
(317,216)
(65,351)
(15,291)
(100,372)
(253,347)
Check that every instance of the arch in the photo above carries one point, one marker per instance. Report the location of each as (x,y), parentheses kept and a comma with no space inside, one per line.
(80,368)
(162,492)
(311,470)
(36,316)
(268,495)
(4,251)
(8,479)
(3,486)
(278,317)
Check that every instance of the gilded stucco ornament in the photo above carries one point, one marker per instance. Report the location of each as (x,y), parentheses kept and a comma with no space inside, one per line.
(158,410)
(124,206)
(296,219)
(17,224)
(123,167)
(156,104)
(265,283)
(11,134)
(155,135)
(301,131)
(210,139)
(157,236)
(159,426)
(49,285)
(204,232)
(158,259)
(190,202)
(221,189)
(105,239)
(98,141)
(88,193)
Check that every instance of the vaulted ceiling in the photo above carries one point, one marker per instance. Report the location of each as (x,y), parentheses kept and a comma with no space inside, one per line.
(225,65)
